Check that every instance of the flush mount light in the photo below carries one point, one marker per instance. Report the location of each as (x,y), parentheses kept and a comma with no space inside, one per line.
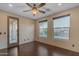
(10,5)
(59,4)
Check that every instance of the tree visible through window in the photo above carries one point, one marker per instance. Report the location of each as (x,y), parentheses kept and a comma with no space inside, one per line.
(43,28)
(61,27)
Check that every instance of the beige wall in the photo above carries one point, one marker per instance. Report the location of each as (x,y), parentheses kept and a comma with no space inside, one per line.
(26,29)
(26,33)
(3,28)
(74,31)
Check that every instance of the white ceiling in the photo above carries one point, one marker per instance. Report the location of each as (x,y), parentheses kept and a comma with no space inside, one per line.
(18,9)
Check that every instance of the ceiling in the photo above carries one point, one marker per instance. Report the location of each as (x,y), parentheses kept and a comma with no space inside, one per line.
(18,8)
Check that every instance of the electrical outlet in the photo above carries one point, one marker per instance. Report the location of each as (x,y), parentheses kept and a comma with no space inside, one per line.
(28,39)
(73,45)
(24,39)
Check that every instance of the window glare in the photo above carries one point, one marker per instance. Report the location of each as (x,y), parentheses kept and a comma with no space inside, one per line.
(43,29)
(61,27)
(43,25)
(62,22)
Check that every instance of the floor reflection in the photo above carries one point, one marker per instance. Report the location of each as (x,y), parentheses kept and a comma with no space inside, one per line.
(37,49)
(3,52)
(13,51)
(42,51)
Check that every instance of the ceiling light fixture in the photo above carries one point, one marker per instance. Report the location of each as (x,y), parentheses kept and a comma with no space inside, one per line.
(10,5)
(59,4)
(34,10)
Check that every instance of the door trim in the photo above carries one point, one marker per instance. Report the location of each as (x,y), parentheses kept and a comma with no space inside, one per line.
(8,17)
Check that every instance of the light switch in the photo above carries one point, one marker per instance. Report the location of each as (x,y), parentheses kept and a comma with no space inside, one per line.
(4,32)
(0,33)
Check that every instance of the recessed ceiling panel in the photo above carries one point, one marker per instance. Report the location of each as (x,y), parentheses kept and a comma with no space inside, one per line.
(49,8)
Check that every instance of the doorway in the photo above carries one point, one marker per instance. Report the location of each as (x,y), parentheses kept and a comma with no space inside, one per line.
(13,31)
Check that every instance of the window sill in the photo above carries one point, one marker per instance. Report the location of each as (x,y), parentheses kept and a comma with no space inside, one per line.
(58,39)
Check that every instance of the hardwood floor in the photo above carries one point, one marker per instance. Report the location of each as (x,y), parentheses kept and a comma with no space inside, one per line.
(39,49)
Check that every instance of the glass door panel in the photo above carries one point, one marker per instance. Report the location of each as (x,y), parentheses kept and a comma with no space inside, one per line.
(13,30)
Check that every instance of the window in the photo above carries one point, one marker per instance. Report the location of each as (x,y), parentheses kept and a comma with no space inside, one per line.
(61,27)
(43,28)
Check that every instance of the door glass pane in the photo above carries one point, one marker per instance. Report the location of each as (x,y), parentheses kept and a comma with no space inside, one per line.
(13,30)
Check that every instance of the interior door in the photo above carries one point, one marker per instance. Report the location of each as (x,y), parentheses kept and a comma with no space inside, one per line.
(13,31)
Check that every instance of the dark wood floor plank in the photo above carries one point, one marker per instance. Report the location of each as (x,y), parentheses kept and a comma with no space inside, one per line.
(39,49)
